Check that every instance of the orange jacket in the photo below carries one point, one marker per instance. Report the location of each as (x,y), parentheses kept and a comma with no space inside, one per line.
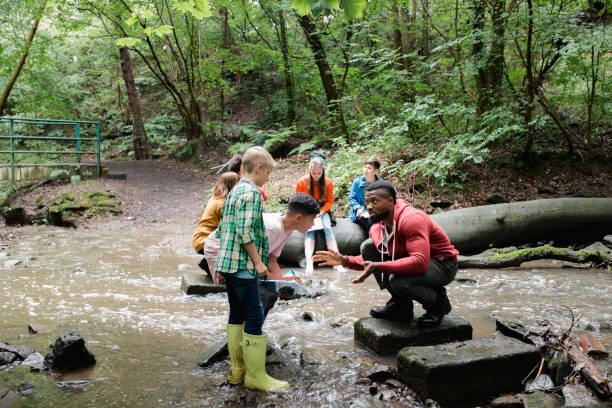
(208,222)
(302,187)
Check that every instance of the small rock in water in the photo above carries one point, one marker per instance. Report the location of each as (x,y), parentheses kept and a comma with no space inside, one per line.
(381,373)
(308,316)
(543,382)
(25,388)
(79,271)
(597,325)
(7,358)
(429,403)
(11,263)
(73,384)
(35,361)
(338,321)
(69,352)
(394,383)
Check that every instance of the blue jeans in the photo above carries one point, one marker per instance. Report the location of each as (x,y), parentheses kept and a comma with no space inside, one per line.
(244,303)
(329,234)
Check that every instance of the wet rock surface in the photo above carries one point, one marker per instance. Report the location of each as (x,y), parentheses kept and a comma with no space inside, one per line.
(579,395)
(506,401)
(540,399)
(8,398)
(200,284)
(212,354)
(69,352)
(387,337)
(459,373)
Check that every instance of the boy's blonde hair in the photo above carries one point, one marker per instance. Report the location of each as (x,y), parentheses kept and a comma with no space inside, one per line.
(256,155)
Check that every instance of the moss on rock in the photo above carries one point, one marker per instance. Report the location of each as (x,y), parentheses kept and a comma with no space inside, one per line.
(68,206)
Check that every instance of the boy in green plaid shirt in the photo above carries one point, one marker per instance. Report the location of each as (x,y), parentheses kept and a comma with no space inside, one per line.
(242,258)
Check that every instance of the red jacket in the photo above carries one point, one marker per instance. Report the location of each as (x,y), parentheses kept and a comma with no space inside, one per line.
(417,239)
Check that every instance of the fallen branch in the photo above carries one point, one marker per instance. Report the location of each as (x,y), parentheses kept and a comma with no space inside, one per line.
(588,371)
(491,259)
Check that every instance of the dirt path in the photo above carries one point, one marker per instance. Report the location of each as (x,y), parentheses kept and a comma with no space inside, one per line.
(160,191)
(154,191)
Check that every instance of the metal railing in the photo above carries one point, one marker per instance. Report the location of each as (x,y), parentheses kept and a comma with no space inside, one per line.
(12,137)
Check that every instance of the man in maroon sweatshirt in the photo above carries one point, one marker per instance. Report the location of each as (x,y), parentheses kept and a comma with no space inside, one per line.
(408,253)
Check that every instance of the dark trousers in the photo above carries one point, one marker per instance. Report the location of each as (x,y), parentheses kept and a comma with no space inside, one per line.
(249,303)
(421,288)
(364,223)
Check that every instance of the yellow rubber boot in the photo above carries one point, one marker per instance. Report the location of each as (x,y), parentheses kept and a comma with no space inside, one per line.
(234,346)
(254,350)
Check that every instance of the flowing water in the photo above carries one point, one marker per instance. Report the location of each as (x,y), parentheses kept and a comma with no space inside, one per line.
(120,289)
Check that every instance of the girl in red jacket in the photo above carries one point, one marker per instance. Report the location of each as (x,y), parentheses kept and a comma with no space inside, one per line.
(316,184)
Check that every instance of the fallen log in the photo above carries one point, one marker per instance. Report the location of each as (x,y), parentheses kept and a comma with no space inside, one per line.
(473,230)
(565,220)
(501,259)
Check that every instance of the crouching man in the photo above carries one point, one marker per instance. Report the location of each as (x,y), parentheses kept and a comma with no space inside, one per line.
(408,254)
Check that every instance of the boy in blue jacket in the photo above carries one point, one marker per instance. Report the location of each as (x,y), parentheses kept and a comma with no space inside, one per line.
(358,213)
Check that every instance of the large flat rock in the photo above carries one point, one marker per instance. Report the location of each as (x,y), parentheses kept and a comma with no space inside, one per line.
(387,337)
(199,284)
(459,373)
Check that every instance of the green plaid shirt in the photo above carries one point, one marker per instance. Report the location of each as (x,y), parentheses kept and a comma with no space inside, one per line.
(241,223)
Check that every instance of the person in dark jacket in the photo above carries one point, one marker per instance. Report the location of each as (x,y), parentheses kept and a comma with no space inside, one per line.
(358,212)
(409,255)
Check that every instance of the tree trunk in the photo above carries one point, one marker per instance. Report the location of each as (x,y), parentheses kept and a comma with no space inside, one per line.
(327,78)
(530,85)
(397,33)
(482,82)
(289,89)
(142,148)
(407,40)
(21,61)
(425,31)
(563,220)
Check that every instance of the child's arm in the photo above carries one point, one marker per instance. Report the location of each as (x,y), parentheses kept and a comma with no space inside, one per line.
(260,267)
(274,271)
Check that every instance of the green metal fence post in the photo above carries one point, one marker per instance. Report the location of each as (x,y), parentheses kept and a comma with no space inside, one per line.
(11,133)
(78,142)
(98,137)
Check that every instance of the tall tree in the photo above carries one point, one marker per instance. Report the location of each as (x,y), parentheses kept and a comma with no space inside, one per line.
(331,91)
(142,148)
(22,58)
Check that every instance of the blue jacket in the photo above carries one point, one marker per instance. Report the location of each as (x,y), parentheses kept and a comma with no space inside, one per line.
(357,196)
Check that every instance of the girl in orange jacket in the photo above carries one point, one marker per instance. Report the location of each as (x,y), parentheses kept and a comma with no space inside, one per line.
(316,184)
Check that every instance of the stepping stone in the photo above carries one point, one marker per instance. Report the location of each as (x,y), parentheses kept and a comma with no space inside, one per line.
(388,337)
(457,374)
(200,284)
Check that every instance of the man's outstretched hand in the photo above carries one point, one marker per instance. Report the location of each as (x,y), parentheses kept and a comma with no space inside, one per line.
(328,258)
(368,269)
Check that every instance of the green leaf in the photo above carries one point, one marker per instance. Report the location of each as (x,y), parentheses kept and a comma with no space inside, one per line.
(353,8)
(148,31)
(203,7)
(303,6)
(127,42)
(335,4)
(132,20)
(163,30)
(146,14)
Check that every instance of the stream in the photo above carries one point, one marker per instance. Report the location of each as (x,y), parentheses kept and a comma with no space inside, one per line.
(119,288)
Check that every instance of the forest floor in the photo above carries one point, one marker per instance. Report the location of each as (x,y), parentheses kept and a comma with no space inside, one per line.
(172,192)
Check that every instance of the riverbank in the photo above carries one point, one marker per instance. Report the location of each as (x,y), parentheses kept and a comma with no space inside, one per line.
(161,191)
